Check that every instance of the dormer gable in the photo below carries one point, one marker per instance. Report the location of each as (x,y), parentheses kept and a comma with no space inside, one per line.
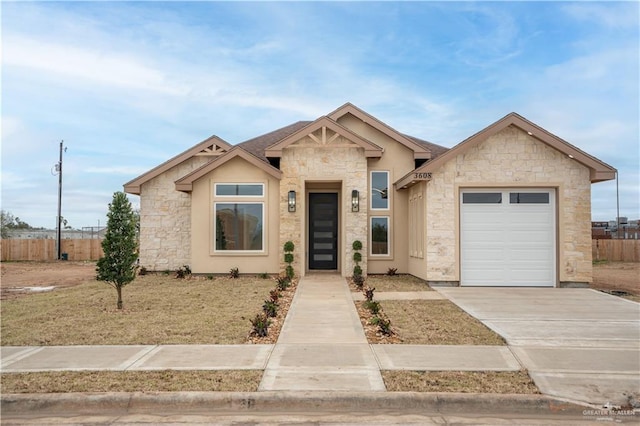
(212,147)
(324,131)
(419,152)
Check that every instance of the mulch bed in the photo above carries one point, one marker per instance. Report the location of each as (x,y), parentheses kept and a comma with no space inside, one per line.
(373,333)
(284,302)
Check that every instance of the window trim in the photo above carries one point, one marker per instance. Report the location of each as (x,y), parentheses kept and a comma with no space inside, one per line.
(388,253)
(215,229)
(215,189)
(388,207)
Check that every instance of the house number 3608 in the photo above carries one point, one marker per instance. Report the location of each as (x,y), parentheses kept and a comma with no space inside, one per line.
(422,176)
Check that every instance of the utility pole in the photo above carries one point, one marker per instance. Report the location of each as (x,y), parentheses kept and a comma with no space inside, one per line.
(59,218)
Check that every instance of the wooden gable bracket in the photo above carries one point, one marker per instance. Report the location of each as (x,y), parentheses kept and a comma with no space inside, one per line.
(323,139)
(213,150)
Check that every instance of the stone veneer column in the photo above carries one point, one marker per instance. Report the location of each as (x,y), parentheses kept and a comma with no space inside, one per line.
(308,162)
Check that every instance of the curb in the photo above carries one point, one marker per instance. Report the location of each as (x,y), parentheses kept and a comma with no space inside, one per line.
(248,402)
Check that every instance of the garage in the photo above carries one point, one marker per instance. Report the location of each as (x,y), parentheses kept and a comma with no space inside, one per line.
(508,237)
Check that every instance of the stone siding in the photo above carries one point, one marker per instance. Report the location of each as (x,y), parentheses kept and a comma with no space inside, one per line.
(510,158)
(306,161)
(165,219)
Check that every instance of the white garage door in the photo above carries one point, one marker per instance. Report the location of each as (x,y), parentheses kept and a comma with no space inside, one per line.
(507,237)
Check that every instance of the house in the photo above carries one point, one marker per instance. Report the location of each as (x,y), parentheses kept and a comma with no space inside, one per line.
(509,206)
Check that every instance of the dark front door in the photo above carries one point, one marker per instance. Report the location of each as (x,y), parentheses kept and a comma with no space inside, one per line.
(323,231)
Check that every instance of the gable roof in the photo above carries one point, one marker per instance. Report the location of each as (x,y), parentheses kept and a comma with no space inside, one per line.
(420,151)
(600,171)
(212,146)
(259,144)
(435,149)
(185,183)
(370,149)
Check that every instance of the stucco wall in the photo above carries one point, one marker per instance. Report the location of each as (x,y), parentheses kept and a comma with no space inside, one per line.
(398,160)
(204,259)
(510,158)
(307,162)
(165,219)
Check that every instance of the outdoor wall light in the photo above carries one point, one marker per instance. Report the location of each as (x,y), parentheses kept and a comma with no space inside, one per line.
(292,201)
(355,201)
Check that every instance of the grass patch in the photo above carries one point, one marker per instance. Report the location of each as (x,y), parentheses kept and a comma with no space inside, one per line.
(501,382)
(397,283)
(437,322)
(158,309)
(131,381)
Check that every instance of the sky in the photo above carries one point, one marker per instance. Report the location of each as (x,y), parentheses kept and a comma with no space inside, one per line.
(128,85)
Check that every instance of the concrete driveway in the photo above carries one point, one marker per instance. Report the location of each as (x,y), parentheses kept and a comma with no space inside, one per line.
(577,344)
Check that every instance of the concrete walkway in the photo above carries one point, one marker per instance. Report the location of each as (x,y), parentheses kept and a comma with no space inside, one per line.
(322,345)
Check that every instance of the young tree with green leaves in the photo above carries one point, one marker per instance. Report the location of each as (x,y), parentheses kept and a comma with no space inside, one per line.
(118,266)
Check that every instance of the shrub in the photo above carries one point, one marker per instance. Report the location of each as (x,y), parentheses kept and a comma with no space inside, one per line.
(357,258)
(274,295)
(358,280)
(288,258)
(260,325)
(183,272)
(372,306)
(368,293)
(384,326)
(391,271)
(289,272)
(263,275)
(142,271)
(209,277)
(283,282)
(234,273)
(270,308)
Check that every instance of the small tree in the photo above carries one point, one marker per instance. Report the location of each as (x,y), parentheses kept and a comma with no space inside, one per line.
(288,258)
(117,267)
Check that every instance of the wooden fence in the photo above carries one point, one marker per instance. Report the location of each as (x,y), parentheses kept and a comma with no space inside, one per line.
(616,250)
(45,249)
(39,250)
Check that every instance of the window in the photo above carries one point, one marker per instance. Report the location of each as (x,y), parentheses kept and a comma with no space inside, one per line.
(529,197)
(482,198)
(239,226)
(379,190)
(416,225)
(380,236)
(239,189)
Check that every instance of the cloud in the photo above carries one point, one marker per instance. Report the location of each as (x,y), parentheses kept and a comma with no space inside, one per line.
(116,170)
(611,15)
(91,65)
